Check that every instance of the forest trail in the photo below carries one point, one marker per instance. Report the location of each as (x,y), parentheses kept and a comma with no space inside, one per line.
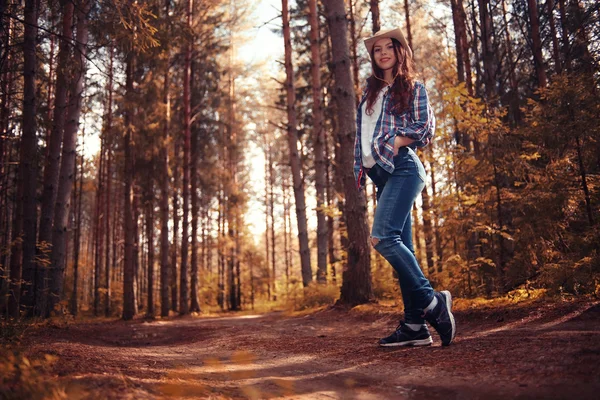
(541,350)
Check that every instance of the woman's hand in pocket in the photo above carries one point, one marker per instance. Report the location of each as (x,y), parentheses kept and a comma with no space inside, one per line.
(401,141)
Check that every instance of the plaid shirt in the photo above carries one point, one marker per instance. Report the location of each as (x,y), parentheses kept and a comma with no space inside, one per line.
(417,123)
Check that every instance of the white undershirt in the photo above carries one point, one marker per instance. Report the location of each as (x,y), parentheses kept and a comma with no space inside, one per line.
(367,128)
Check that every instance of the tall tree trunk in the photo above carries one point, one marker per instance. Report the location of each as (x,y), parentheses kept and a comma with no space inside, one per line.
(374,4)
(268,210)
(436,219)
(353,39)
(273,273)
(108,200)
(129,300)
(478,74)
(150,238)
(462,23)
(319,145)
(98,234)
(65,184)
(28,164)
(195,306)
(164,183)
(489,65)
(356,286)
(408,30)
(295,161)
(554,37)
(77,240)
(52,165)
(565,34)
(174,248)
(187,123)
(515,112)
(536,42)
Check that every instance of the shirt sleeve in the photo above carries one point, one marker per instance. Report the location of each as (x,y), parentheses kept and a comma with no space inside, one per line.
(421,123)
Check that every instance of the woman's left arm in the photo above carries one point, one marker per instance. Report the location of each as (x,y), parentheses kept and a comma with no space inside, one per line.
(422,121)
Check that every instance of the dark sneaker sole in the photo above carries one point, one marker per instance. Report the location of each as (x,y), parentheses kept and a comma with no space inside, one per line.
(448,298)
(414,343)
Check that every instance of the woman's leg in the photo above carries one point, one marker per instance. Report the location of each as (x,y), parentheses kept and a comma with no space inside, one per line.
(392,235)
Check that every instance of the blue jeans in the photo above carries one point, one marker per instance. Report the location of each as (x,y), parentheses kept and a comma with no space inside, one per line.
(392,225)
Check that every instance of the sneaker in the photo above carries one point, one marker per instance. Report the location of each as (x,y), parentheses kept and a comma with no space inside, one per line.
(441,318)
(404,336)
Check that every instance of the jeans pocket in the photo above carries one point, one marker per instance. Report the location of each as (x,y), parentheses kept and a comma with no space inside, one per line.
(418,164)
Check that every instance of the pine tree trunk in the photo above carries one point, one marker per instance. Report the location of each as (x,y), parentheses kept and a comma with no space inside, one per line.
(65,184)
(174,248)
(319,144)
(184,306)
(565,34)
(489,65)
(555,50)
(462,23)
(353,39)
(476,55)
(150,238)
(195,306)
(408,30)
(273,273)
(77,241)
(536,42)
(295,161)
(108,199)
(28,164)
(98,235)
(164,185)
(515,112)
(374,4)
(268,211)
(129,308)
(52,165)
(356,286)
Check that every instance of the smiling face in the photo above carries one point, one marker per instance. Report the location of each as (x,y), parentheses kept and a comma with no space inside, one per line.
(384,54)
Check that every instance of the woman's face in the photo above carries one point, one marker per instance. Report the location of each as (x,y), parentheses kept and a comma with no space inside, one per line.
(384,54)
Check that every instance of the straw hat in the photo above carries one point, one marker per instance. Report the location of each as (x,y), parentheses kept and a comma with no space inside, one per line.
(391,33)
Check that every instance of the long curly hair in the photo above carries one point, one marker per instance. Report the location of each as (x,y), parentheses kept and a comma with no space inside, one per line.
(403,85)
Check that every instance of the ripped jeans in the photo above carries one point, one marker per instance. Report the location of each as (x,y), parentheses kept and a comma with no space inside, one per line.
(392,228)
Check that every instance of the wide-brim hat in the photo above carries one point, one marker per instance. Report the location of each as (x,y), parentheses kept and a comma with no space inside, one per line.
(391,33)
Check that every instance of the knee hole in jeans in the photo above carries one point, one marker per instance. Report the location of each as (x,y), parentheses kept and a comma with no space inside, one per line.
(374,241)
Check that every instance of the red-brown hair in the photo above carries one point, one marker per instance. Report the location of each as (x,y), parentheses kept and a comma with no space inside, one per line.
(403,85)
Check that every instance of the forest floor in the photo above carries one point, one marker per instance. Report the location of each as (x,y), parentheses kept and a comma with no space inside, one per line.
(536,349)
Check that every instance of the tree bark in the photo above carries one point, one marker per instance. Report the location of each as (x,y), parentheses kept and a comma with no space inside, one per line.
(356,286)
(319,145)
(164,183)
(65,184)
(489,64)
(129,261)
(554,37)
(184,307)
(150,239)
(108,197)
(536,42)
(374,4)
(354,49)
(77,240)
(52,165)
(295,161)
(195,306)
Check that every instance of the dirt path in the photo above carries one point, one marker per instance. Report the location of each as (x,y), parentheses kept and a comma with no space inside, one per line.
(536,351)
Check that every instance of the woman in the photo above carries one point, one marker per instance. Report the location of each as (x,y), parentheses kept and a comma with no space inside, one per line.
(393,119)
